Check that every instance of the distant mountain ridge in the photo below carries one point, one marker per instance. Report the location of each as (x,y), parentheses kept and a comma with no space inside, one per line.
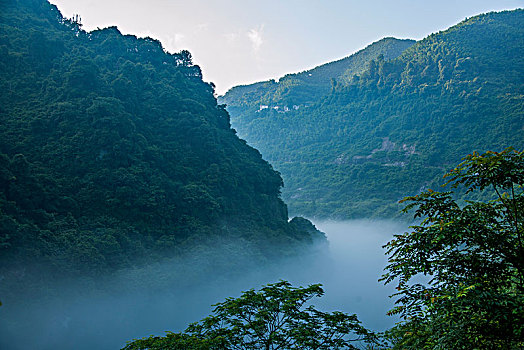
(304,88)
(394,128)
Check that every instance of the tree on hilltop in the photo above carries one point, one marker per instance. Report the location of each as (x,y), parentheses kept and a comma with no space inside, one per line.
(275,317)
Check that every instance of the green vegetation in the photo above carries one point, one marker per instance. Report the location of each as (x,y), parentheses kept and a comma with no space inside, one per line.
(307,87)
(395,128)
(114,153)
(473,257)
(460,275)
(276,317)
(299,90)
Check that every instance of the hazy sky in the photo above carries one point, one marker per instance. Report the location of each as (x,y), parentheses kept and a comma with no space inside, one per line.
(243,41)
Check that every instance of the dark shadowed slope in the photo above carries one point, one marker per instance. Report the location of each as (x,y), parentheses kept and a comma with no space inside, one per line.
(114,153)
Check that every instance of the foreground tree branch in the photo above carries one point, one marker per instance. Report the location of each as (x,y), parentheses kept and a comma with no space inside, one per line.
(472,257)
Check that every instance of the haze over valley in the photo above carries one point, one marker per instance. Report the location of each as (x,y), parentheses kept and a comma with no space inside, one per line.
(144,207)
(169,296)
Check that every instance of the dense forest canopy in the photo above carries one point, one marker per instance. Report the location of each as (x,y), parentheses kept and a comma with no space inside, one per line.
(395,127)
(114,152)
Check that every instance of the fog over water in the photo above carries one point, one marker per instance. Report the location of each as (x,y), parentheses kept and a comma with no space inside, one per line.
(357,261)
(156,299)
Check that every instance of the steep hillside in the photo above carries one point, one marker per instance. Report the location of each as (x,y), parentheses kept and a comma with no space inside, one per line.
(394,129)
(114,153)
(295,91)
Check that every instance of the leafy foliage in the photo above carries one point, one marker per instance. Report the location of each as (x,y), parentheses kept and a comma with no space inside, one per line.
(396,126)
(472,256)
(173,341)
(275,317)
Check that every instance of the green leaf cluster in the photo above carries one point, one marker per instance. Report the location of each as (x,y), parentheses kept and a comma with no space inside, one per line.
(472,257)
(275,317)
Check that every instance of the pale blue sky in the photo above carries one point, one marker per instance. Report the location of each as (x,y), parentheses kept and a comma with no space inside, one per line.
(243,41)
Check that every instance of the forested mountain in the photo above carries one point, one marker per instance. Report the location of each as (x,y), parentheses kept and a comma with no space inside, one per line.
(396,127)
(305,88)
(114,153)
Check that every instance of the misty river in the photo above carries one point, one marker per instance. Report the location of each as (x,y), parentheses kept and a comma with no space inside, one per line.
(349,273)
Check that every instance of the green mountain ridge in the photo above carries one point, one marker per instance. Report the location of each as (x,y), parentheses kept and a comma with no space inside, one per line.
(395,128)
(114,154)
(302,89)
